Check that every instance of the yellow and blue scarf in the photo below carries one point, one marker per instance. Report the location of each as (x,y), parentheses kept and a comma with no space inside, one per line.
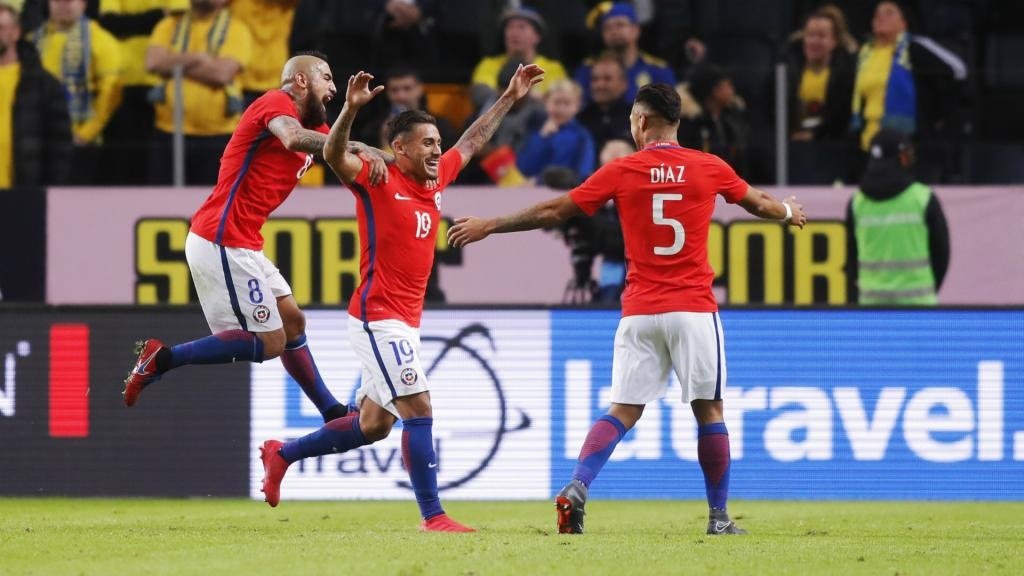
(900,94)
(75,64)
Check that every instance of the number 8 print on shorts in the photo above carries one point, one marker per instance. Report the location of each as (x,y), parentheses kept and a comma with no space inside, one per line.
(260,313)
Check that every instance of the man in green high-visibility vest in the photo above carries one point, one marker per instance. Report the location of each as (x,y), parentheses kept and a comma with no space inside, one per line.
(897,234)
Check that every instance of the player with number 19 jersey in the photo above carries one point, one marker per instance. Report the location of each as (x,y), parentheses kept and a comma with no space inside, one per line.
(665,195)
(257,173)
(398,223)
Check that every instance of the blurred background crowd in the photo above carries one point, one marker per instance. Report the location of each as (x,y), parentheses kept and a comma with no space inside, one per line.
(87,89)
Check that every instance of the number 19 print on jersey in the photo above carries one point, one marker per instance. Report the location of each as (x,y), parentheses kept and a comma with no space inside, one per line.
(398,222)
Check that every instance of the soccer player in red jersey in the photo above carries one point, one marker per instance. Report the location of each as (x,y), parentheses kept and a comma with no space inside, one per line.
(397,232)
(247,302)
(665,195)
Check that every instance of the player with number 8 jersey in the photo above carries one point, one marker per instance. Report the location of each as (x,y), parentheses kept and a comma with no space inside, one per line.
(247,302)
(665,195)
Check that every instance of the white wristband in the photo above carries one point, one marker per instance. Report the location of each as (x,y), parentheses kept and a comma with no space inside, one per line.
(789,213)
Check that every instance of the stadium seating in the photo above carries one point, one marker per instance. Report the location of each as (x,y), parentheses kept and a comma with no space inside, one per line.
(994,163)
(1001,117)
(765,19)
(945,17)
(1004,68)
(460,26)
(819,162)
(750,61)
(449,101)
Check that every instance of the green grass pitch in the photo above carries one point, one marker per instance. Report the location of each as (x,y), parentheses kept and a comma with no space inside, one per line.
(114,537)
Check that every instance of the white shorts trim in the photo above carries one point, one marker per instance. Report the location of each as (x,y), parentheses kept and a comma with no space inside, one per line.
(238,288)
(647,347)
(389,352)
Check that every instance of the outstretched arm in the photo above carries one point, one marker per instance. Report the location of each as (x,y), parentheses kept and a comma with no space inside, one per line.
(543,215)
(336,149)
(298,139)
(480,131)
(367,150)
(764,205)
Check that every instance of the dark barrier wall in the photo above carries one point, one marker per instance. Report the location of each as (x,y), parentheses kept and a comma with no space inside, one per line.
(23,245)
(66,431)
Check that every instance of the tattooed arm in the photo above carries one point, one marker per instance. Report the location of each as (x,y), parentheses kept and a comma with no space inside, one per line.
(299,139)
(336,150)
(296,138)
(543,215)
(480,132)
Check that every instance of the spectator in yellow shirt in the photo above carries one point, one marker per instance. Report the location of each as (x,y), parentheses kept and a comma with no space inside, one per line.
(87,60)
(270,23)
(212,48)
(904,81)
(523,29)
(126,138)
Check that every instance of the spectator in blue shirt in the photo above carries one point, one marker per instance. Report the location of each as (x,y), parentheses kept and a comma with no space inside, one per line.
(620,32)
(561,141)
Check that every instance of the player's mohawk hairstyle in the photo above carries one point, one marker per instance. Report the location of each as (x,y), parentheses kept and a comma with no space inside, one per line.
(661,99)
(404,121)
(313,53)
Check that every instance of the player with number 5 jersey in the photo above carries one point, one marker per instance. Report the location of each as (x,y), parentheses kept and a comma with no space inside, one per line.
(665,195)
(247,302)
(398,223)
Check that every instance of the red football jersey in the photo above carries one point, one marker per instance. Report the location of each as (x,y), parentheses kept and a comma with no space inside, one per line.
(665,195)
(257,173)
(398,223)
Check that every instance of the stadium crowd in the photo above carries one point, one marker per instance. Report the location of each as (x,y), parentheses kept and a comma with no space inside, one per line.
(87,92)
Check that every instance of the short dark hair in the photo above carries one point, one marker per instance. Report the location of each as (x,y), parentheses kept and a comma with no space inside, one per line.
(661,99)
(313,53)
(403,72)
(405,121)
(704,79)
(612,57)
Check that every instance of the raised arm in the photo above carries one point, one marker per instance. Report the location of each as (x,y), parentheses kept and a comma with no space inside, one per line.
(480,131)
(336,150)
(764,205)
(543,215)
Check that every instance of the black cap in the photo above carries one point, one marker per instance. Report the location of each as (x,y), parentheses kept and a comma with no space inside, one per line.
(885,175)
(887,145)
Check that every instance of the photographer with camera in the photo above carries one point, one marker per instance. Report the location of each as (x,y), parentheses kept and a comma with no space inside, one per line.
(588,238)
